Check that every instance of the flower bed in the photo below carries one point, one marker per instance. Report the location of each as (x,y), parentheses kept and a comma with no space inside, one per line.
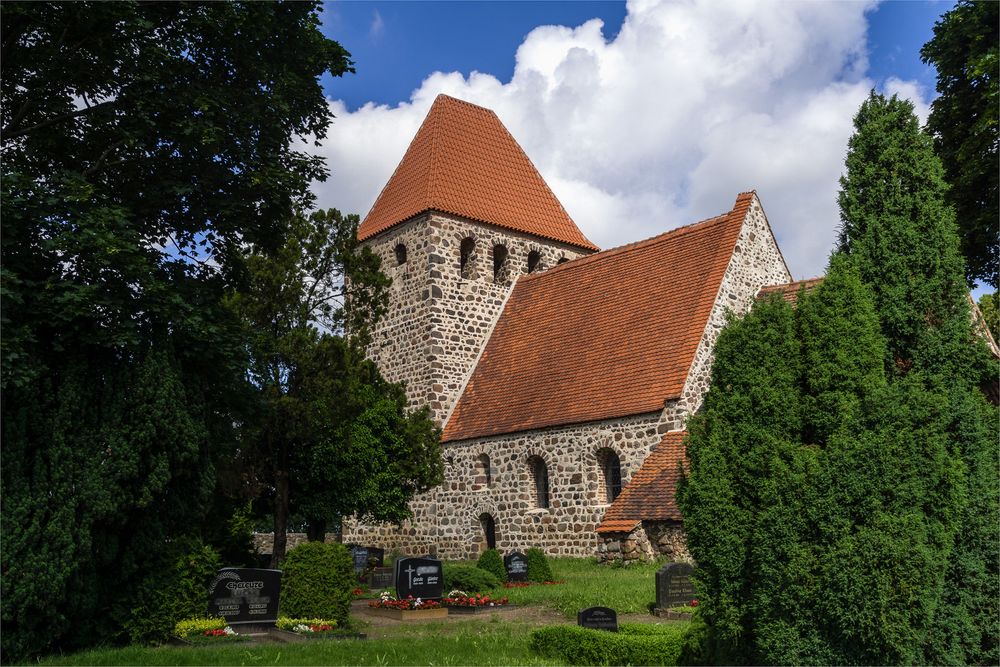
(408,609)
(461,602)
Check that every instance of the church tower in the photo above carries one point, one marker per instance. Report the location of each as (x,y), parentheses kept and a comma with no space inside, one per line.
(462,217)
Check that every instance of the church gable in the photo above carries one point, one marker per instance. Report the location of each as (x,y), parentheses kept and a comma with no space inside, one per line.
(601,337)
(463,161)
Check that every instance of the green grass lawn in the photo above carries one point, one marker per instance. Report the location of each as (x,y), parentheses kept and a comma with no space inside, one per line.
(491,640)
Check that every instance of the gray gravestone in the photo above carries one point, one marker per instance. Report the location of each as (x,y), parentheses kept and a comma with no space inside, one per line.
(517,566)
(598,618)
(381,577)
(673,585)
(419,578)
(245,595)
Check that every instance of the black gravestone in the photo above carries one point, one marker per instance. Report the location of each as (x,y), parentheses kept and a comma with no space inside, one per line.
(598,618)
(420,578)
(245,595)
(380,577)
(517,566)
(673,585)
(360,557)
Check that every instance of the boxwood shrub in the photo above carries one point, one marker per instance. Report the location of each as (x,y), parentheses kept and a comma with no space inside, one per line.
(632,645)
(317,581)
(538,566)
(493,563)
(469,579)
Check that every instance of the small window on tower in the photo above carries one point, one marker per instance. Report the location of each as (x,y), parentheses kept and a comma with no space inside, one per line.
(533,258)
(499,263)
(611,475)
(400,254)
(466,252)
(539,481)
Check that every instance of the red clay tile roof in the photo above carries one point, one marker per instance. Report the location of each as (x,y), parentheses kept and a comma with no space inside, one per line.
(603,336)
(651,493)
(463,161)
(790,291)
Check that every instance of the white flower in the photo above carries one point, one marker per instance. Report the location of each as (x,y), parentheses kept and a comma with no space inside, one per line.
(458,594)
(229,631)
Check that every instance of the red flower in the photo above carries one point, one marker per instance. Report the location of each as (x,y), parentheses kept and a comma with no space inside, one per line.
(694,603)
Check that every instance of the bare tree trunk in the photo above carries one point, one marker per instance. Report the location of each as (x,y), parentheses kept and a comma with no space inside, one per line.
(280,518)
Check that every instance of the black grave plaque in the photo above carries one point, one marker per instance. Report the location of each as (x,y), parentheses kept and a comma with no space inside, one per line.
(420,578)
(598,618)
(517,566)
(360,557)
(380,577)
(673,585)
(245,595)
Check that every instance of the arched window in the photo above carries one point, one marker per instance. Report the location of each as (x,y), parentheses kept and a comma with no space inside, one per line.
(483,478)
(466,259)
(499,263)
(400,254)
(563,260)
(540,481)
(533,258)
(611,475)
(489,530)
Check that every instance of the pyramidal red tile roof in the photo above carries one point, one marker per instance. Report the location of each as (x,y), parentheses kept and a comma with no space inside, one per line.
(464,161)
(651,493)
(604,336)
(790,291)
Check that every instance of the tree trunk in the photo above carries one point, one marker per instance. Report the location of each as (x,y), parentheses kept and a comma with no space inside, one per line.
(280,518)
(316,530)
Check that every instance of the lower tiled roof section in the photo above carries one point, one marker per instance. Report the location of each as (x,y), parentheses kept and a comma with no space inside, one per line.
(602,337)
(790,291)
(651,493)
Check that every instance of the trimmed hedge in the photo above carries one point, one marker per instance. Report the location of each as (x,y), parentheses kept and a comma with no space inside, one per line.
(469,579)
(493,563)
(634,644)
(538,566)
(317,582)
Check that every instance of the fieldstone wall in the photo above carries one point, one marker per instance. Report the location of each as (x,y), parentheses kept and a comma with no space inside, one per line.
(441,313)
(450,515)
(646,542)
(756,262)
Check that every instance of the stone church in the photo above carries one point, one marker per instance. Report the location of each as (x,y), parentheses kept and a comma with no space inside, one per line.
(561,374)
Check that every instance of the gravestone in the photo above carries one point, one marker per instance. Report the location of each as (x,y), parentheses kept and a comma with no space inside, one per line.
(517,566)
(378,555)
(359,555)
(381,577)
(419,577)
(674,587)
(245,596)
(598,618)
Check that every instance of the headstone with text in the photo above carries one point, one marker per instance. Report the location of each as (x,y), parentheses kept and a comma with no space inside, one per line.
(419,578)
(674,587)
(359,555)
(245,595)
(598,618)
(517,566)
(380,577)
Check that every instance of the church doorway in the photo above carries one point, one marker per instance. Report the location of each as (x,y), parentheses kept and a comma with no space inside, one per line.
(489,530)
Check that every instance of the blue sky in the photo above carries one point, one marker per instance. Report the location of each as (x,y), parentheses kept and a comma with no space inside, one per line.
(641,117)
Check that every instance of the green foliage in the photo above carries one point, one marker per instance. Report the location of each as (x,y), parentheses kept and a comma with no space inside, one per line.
(317,582)
(468,579)
(632,645)
(492,562)
(197,626)
(143,145)
(174,590)
(963,120)
(988,306)
(538,566)
(835,503)
(330,437)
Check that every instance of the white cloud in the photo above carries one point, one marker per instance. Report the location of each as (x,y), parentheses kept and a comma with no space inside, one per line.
(691,103)
(377,27)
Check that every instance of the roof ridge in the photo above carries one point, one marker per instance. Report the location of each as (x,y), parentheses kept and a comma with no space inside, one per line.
(651,241)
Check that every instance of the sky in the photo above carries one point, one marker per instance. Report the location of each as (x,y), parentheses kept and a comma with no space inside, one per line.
(641,116)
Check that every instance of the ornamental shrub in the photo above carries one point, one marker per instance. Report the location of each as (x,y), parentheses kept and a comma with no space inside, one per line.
(631,645)
(317,582)
(197,626)
(175,590)
(538,566)
(469,579)
(493,563)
